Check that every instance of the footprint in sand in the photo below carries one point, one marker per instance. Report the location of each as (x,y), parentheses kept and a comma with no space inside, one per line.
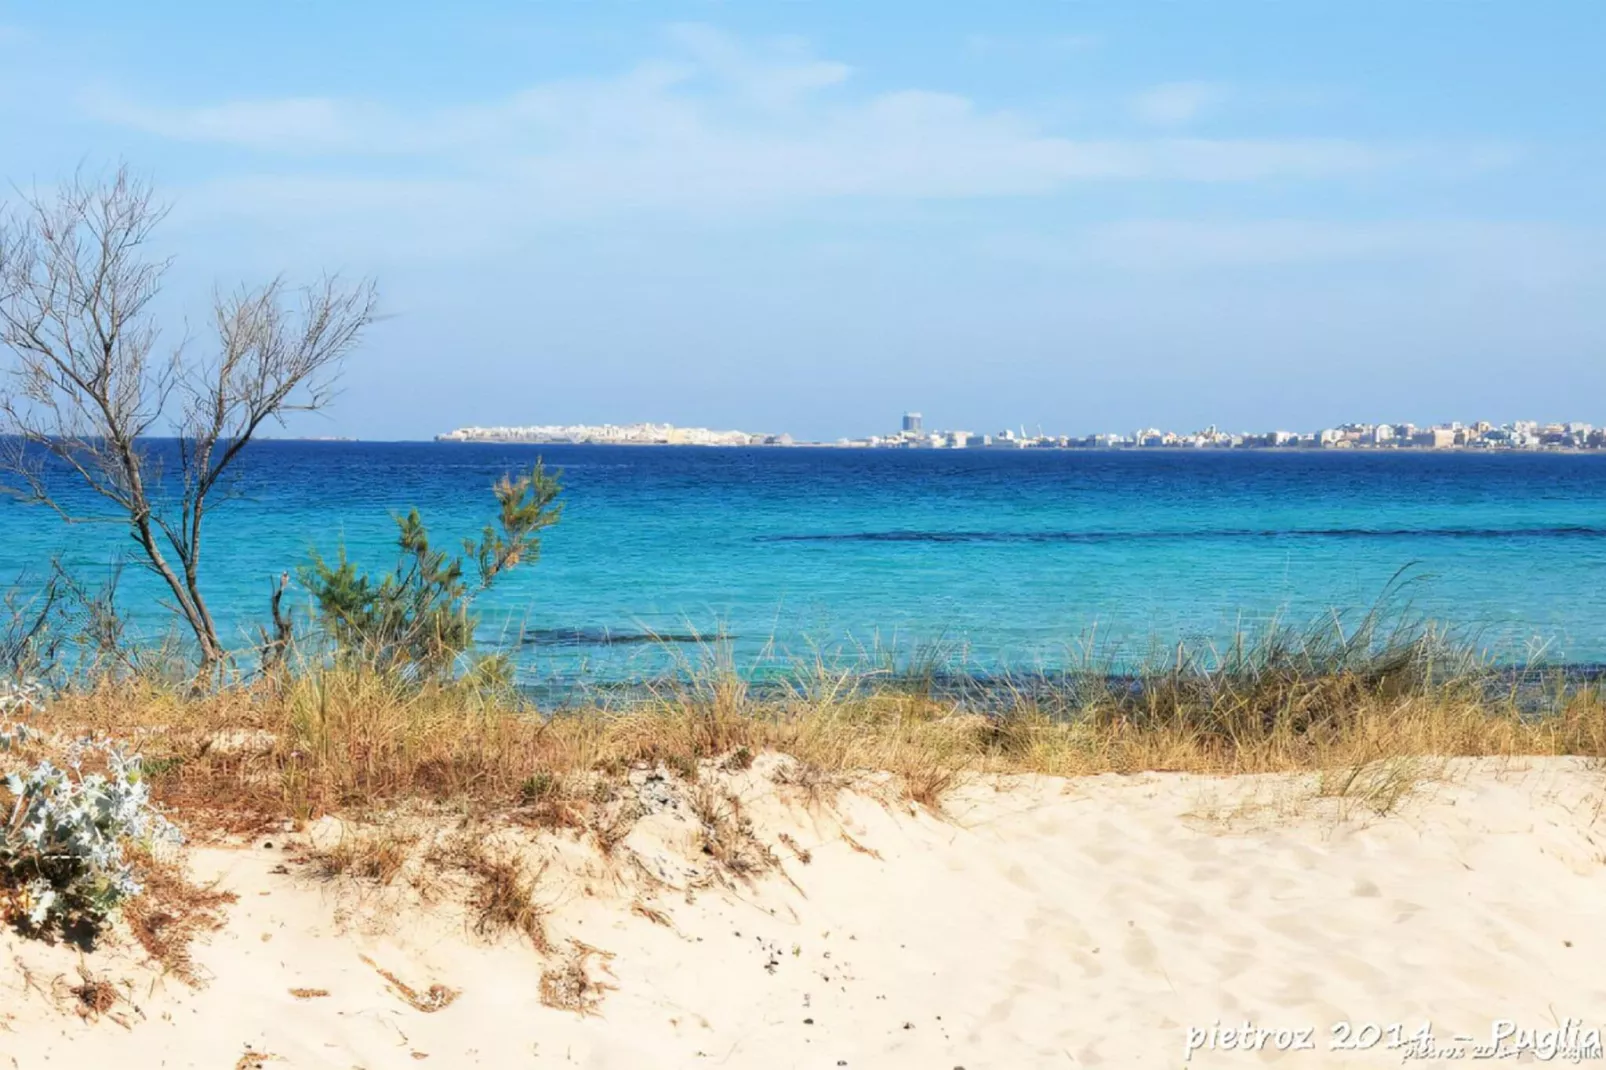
(1020,878)
(1140,951)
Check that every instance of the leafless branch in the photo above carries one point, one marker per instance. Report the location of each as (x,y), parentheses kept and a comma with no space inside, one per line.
(88,385)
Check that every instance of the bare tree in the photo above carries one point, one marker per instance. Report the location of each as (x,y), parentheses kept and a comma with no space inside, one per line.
(88,386)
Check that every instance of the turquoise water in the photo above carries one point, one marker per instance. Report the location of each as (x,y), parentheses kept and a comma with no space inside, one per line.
(998,558)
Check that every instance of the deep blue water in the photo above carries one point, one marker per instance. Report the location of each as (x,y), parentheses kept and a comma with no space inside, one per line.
(999,558)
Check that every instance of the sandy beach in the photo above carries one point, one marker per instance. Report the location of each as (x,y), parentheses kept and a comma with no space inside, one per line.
(1035,922)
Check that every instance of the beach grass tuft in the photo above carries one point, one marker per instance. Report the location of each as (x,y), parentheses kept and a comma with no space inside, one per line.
(1369,707)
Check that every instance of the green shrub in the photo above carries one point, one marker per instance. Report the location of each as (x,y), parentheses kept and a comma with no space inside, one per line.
(417,617)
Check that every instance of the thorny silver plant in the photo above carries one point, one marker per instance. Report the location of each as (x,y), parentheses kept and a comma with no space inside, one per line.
(62,839)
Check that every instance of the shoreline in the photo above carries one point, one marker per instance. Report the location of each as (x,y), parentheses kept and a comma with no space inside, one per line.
(1529,689)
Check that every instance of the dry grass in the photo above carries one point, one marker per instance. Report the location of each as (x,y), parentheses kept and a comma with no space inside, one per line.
(567,985)
(503,898)
(94,996)
(376,857)
(170,912)
(361,743)
(727,834)
(652,914)
(859,847)
(1379,787)
(435,998)
(379,751)
(802,854)
(613,824)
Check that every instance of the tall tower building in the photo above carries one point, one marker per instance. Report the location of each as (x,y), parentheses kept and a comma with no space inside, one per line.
(911,422)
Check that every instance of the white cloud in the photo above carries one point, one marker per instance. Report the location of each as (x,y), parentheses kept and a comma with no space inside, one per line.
(786,75)
(908,146)
(1527,253)
(304,124)
(718,127)
(712,74)
(1177,103)
(985,44)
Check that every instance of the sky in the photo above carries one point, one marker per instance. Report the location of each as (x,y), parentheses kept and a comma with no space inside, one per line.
(807,216)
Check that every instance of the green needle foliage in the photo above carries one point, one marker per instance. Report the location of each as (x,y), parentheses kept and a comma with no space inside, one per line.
(418,617)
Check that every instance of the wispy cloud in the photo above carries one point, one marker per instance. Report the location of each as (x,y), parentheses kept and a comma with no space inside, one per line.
(783,75)
(1528,253)
(1177,103)
(917,146)
(717,125)
(1015,45)
(304,124)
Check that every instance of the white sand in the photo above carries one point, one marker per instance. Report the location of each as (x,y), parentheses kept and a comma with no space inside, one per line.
(1043,923)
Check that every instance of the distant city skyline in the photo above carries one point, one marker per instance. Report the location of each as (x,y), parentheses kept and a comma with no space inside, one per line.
(799,217)
(1486,434)
(914,434)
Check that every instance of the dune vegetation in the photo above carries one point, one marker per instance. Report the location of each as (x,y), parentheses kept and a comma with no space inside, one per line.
(316,736)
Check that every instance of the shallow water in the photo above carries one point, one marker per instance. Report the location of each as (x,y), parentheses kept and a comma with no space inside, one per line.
(998,559)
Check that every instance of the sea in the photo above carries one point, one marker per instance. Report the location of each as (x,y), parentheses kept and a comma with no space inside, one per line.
(984,561)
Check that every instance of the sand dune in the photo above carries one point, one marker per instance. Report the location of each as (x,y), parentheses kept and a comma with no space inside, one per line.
(1037,923)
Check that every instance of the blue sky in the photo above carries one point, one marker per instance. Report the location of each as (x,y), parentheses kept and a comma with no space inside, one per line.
(807,216)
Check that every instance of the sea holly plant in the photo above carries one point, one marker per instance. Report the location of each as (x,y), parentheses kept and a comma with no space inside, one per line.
(418,617)
(64,829)
(18,698)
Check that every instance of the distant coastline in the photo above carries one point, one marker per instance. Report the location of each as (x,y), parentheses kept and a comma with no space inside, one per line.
(614,435)
(1480,437)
